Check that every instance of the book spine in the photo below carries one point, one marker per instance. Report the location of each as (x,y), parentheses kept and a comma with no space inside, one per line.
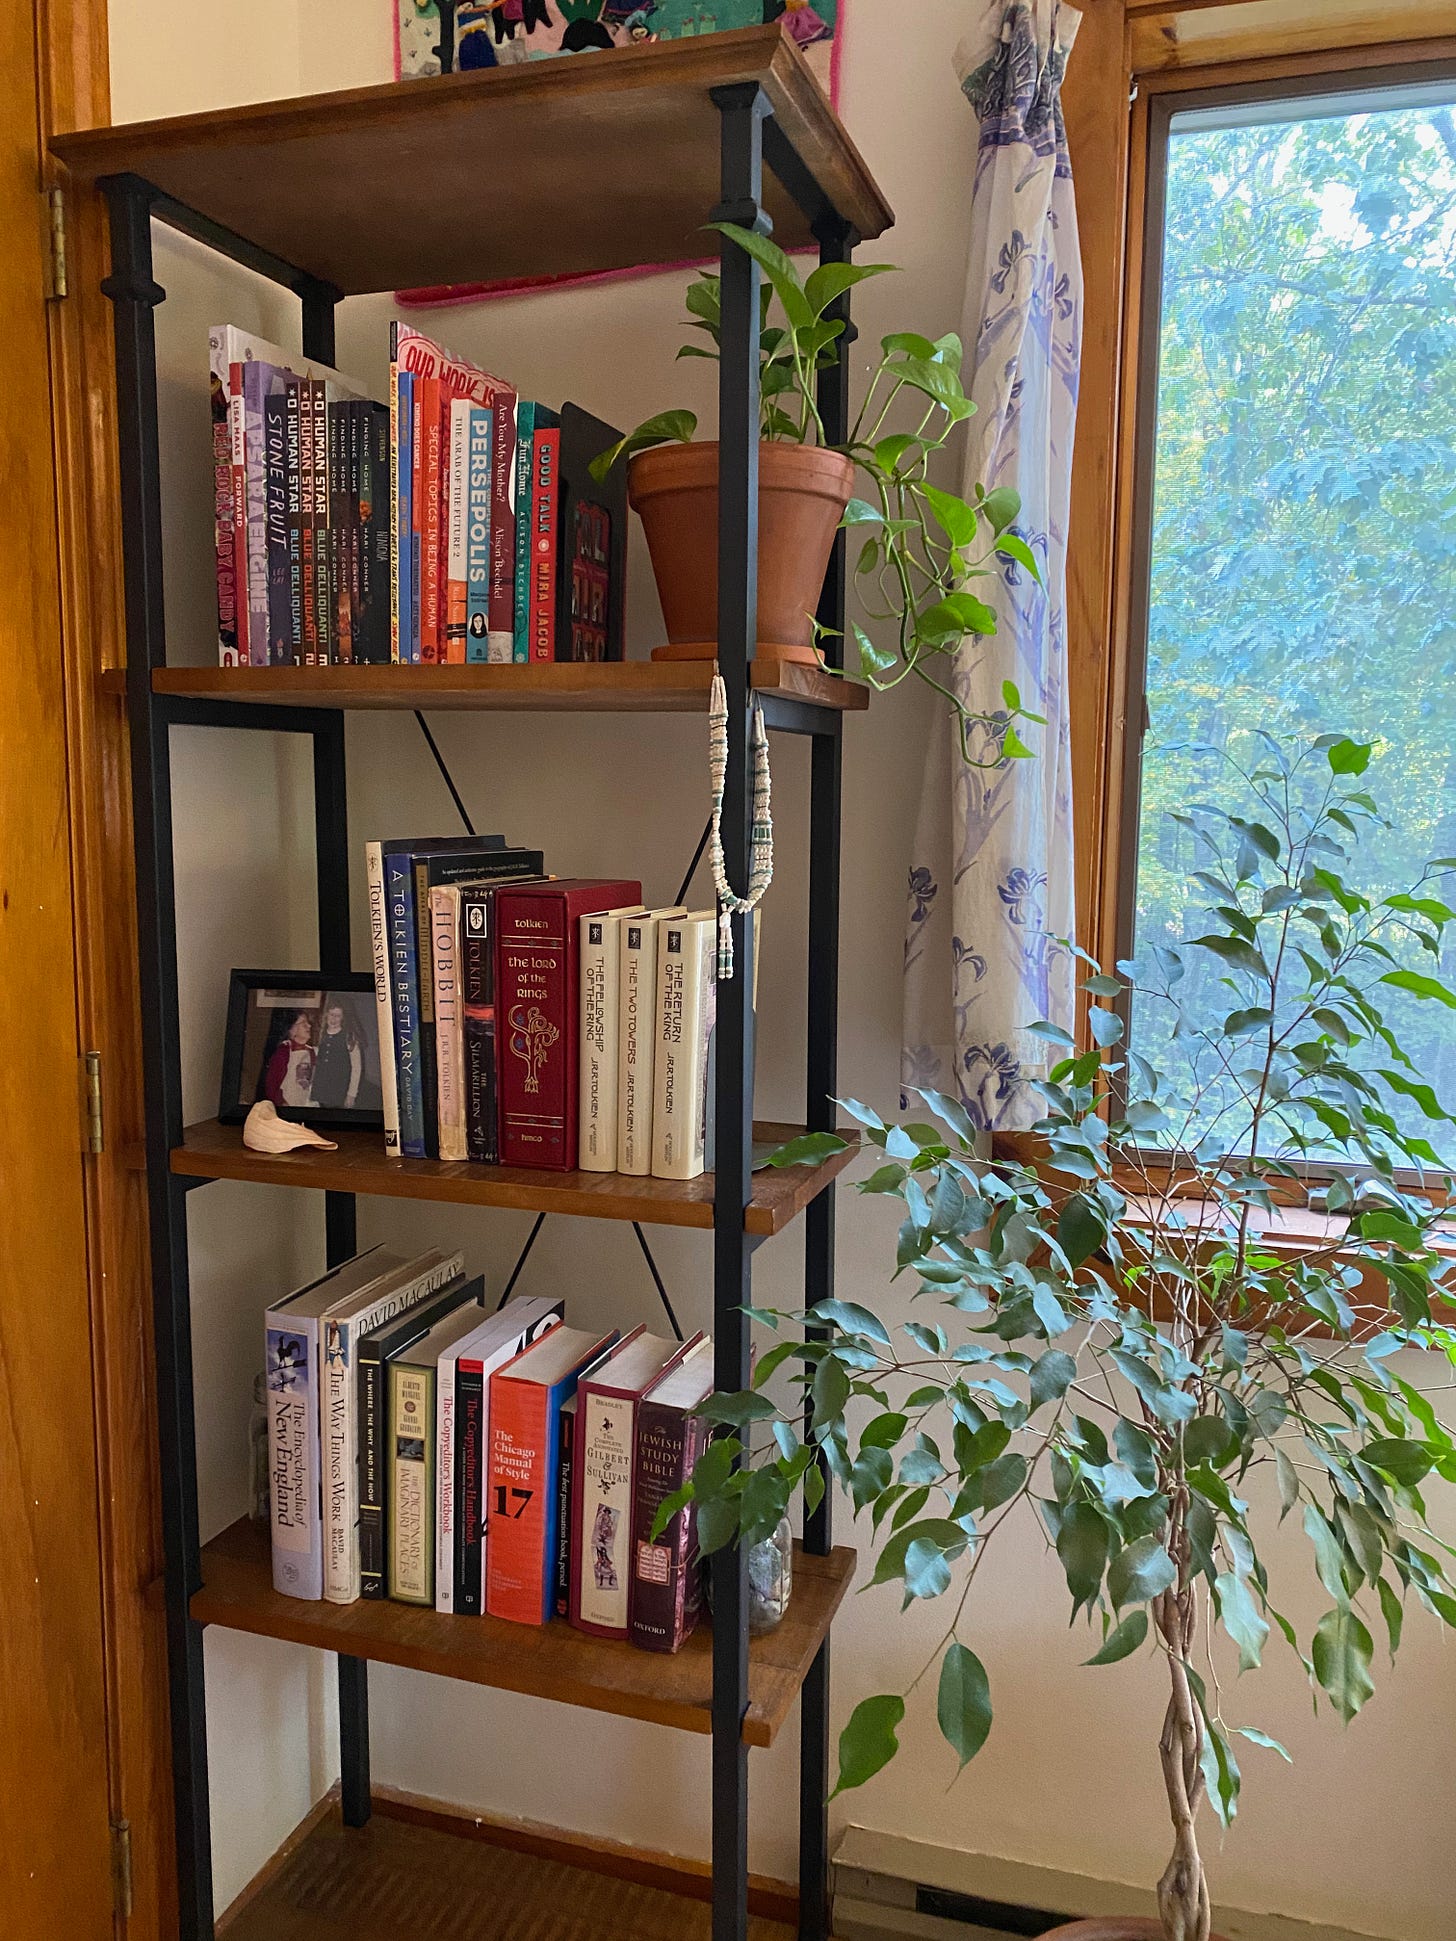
(521,634)
(600,965)
(477,1022)
(238,441)
(636,1011)
(253,588)
(340,610)
(470,1489)
(417,521)
(293,474)
(411,1512)
(373,1452)
(449,1042)
(663,1599)
(565,1456)
(520,1556)
(327,645)
(445,1473)
(307,534)
(375,538)
(403,457)
(460,409)
(430,474)
(425,1011)
(219,391)
(478,494)
(395,562)
(686,956)
(535,1054)
(602,1511)
(293,1457)
(404,985)
(355,428)
(545,542)
(277,641)
(383,991)
(503,525)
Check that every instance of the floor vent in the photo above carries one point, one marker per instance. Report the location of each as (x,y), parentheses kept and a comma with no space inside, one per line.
(992,1917)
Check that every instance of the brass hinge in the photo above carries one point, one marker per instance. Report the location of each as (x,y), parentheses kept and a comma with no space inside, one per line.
(57,232)
(95,1130)
(121,1887)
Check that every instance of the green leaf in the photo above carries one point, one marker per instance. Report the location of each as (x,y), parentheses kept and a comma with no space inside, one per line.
(884,1431)
(777,267)
(1329,1559)
(873,661)
(850,1318)
(808,1149)
(1123,1641)
(869,1741)
(1341,1653)
(1081,1229)
(1082,1549)
(1241,1620)
(1052,1376)
(717,1523)
(955,518)
(668,427)
(1257,1738)
(1401,1458)
(1141,1572)
(738,1409)
(668,1508)
(1350,757)
(1393,1612)
(830,1390)
(860,513)
(830,281)
(1001,506)
(1000,1480)
(927,1574)
(963,1705)
(1220,1771)
(957,614)
(910,344)
(1420,986)
(1011,545)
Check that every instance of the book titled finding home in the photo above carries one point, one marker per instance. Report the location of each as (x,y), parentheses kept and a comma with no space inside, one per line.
(538,1013)
(604,1464)
(664,1595)
(526,1400)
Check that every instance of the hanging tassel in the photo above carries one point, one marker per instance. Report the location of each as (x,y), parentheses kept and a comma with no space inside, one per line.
(760,838)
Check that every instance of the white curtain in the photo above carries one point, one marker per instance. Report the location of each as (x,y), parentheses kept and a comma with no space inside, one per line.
(991,881)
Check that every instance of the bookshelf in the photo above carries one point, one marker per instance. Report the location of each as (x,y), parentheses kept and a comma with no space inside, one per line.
(322,196)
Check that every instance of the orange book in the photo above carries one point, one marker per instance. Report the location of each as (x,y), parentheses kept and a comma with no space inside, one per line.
(526,1399)
(431,631)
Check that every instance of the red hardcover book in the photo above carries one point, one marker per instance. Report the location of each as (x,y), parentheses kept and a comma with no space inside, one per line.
(603,1467)
(526,1399)
(430,649)
(537,1013)
(665,1591)
(545,513)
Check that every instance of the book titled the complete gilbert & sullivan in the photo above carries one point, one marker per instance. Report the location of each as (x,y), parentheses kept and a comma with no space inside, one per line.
(603,1468)
(664,1595)
(538,1013)
(372,1358)
(526,1399)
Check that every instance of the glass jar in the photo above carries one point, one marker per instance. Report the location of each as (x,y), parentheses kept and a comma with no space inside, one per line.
(259,1501)
(770,1578)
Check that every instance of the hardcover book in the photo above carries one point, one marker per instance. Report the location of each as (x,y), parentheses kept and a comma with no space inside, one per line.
(603,1467)
(592,578)
(372,1357)
(478,1020)
(545,564)
(399,1285)
(462,1518)
(526,1399)
(455,563)
(687,964)
(538,1006)
(449,1035)
(260,381)
(637,1006)
(294,1383)
(532,419)
(478,494)
(665,1593)
(600,974)
(431,463)
(413,1390)
(566,1456)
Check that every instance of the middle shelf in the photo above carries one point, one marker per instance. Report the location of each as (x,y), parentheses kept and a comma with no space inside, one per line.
(546,1661)
(211,1150)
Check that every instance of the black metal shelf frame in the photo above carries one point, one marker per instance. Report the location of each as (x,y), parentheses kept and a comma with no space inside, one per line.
(750,138)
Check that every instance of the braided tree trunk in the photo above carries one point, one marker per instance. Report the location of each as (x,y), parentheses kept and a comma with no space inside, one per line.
(1183,1889)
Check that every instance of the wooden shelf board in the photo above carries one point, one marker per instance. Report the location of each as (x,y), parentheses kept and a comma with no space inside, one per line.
(214,1151)
(330,183)
(606,687)
(546,1661)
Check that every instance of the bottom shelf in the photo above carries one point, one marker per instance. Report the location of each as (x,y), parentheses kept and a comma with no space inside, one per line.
(393,1878)
(547,1661)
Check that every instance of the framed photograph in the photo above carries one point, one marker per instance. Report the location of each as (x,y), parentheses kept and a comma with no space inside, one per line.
(308,1043)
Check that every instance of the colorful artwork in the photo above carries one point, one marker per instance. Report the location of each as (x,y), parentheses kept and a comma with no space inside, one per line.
(450,36)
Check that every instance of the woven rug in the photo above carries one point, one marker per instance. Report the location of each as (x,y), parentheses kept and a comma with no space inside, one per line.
(392,1879)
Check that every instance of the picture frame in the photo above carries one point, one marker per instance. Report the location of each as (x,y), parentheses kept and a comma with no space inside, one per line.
(306,1041)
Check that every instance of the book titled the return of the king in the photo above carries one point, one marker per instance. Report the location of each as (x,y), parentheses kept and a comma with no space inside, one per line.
(538,1013)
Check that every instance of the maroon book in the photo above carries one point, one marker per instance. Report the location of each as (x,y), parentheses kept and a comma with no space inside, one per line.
(665,1592)
(538,1011)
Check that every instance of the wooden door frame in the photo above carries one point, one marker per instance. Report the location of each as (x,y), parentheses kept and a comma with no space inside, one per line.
(73,91)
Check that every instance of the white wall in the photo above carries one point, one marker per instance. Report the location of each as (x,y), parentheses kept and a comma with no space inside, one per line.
(1351,1833)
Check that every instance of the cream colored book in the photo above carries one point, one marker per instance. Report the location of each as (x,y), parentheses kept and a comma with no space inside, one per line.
(600,981)
(637,1004)
(687,989)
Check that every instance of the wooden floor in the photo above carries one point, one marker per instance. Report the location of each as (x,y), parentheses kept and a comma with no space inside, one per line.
(393,1879)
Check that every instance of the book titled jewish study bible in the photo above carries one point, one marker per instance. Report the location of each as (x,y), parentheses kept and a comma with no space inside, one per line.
(538,1013)
(665,1592)
(526,1400)
(603,1466)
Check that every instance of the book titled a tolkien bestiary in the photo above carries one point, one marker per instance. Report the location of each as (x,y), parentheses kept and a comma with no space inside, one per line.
(537,1013)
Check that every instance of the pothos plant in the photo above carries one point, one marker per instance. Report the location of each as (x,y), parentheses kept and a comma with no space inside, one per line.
(921,548)
(1117,1339)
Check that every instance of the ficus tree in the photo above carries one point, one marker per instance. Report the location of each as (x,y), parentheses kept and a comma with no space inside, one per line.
(1115,1338)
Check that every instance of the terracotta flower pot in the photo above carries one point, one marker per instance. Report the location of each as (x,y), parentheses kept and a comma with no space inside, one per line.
(1112,1927)
(802,493)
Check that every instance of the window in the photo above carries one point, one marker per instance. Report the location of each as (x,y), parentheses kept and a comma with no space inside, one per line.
(1297,559)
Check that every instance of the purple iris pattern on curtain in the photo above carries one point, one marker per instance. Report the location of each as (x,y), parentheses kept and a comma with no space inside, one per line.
(991,879)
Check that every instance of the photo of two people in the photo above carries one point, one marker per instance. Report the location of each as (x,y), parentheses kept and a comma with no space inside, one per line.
(312,1051)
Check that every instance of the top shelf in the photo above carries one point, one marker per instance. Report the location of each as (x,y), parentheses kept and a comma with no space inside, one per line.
(585,163)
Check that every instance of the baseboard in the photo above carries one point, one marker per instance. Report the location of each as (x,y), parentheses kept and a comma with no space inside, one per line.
(888,1887)
(271,1869)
